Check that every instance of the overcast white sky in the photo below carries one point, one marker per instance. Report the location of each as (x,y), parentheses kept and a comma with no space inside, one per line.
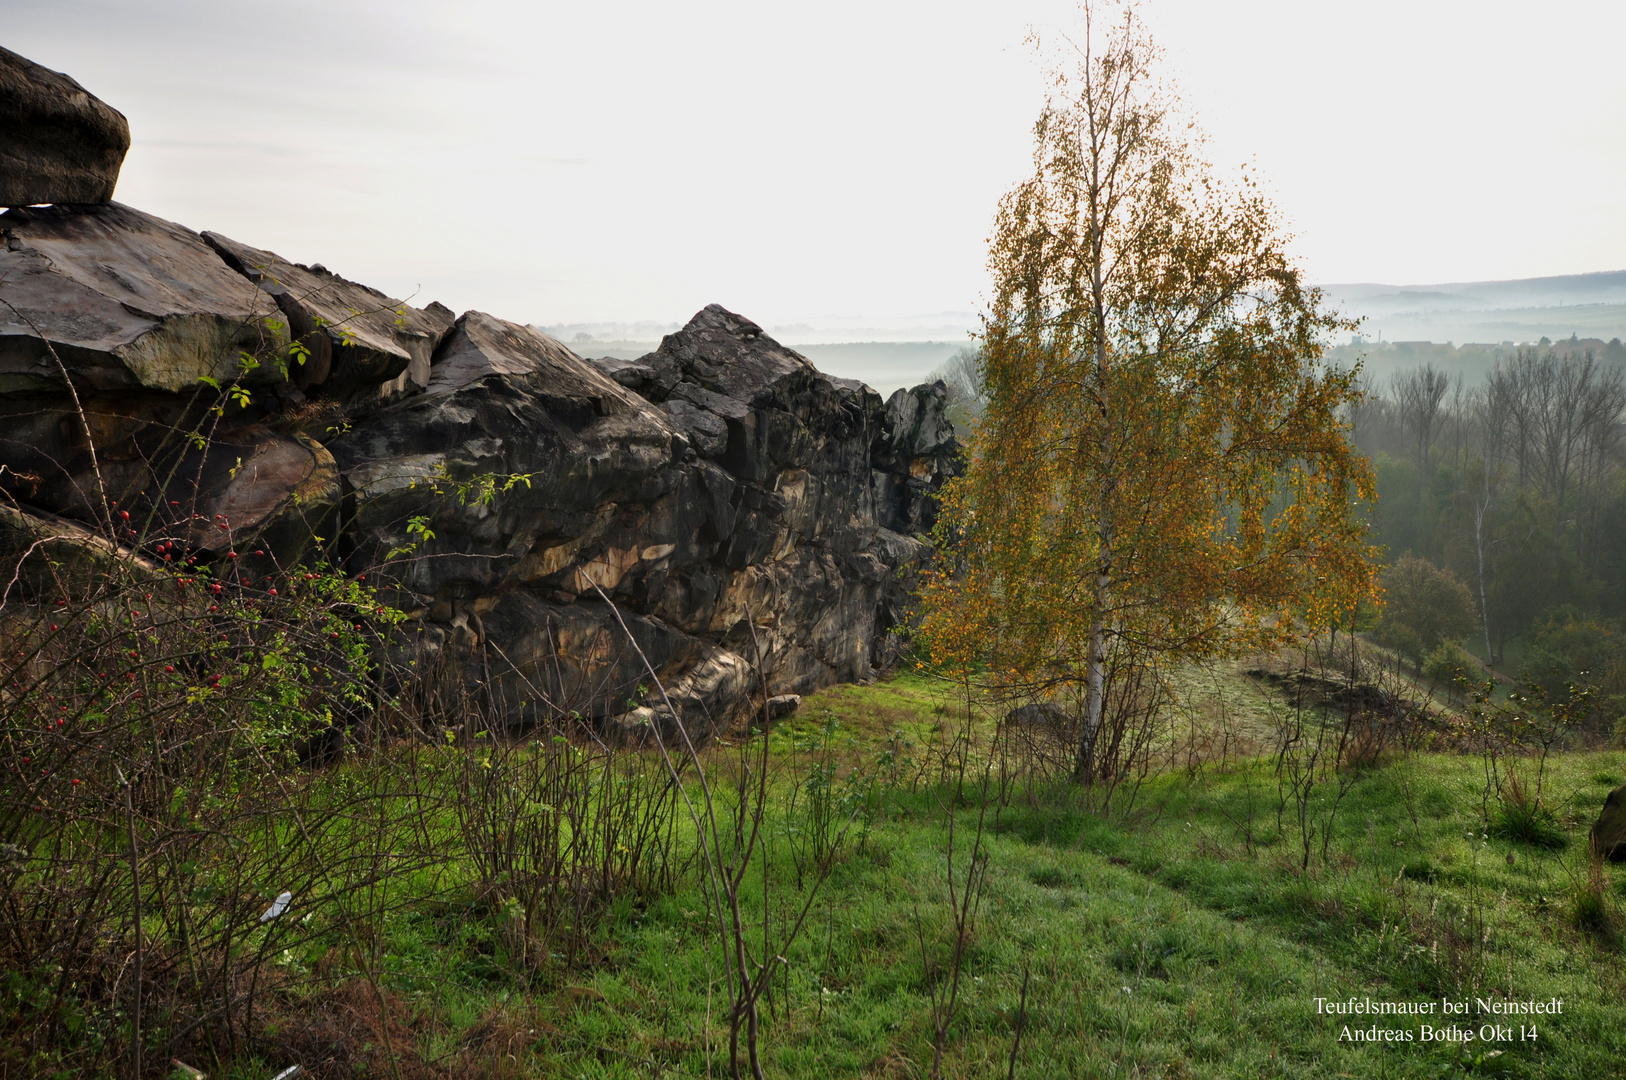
(560,162)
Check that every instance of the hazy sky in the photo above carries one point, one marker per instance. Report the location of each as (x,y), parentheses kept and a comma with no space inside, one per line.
(570,162)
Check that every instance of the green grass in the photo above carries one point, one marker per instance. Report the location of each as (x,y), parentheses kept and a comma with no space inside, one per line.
(1177,940)
(909,705)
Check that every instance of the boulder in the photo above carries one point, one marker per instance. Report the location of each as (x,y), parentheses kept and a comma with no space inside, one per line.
(1041,715)
(921,451)
(281,486)
(42,555)
(72,457)
(783,705)
(126,301)
(61,144)
(1609,831)
(719,492)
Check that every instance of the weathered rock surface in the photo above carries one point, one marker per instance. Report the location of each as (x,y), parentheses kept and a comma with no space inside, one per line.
(138,311)
(727,499)
(1044,715)
(742,510)
(41,554)
(354,336)
(1609,831)
(58,142)
(128,301)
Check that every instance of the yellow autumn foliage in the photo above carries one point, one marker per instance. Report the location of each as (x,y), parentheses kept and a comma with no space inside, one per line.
(1162,466)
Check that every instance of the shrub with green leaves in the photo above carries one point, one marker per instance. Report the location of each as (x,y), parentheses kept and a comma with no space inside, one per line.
(1425,608)
(150,733)
(1569,649)
(1448,662)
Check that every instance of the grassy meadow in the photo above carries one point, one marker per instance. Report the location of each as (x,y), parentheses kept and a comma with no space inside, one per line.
(1185,930)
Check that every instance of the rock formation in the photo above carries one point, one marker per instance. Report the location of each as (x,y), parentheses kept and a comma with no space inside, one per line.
(735,507)
(129,301)
(60,144)
(727,497)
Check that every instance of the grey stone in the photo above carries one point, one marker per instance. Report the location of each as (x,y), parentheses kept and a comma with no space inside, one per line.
(42,555)
(628,373)
(706,431)
(355,336)
(783,705)
(728,507)
(1044,715)
(61,143)
(1609,831)
(919,452)
(128,301)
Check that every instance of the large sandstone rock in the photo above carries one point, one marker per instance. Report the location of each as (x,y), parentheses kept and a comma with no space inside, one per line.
(920,451)
(128,301)
(58,142)
(1039,715)
(641,542)
(140,312)
(742,511)
(42,555)
(721,489)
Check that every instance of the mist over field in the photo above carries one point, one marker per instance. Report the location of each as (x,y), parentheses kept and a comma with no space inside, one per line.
(1455,325)
(1489,312)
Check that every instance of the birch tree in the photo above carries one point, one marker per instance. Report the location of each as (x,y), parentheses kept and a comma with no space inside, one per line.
(1161,468)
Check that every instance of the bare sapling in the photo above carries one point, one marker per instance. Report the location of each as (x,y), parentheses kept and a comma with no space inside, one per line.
(729,852)
(965,874)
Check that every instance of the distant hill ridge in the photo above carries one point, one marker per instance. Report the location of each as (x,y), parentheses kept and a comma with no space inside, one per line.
(1516,311)
(1604,287)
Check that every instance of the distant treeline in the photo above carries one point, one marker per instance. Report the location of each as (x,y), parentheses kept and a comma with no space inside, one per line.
(1380,360)
(1503,467)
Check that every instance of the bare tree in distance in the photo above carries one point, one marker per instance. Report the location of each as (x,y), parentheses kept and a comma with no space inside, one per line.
(968,394)
(1518,479)
(1418,395)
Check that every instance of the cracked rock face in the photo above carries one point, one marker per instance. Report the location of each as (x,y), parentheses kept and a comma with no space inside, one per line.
(353,336)
(142,315)
(735,505)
